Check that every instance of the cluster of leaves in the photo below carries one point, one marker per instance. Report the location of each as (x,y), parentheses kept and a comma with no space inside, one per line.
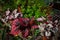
(29,7)
(33,8)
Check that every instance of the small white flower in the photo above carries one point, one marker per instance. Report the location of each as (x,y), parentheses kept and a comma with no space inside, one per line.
(39,19)
(15,11)
(7,12)
(50,25)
